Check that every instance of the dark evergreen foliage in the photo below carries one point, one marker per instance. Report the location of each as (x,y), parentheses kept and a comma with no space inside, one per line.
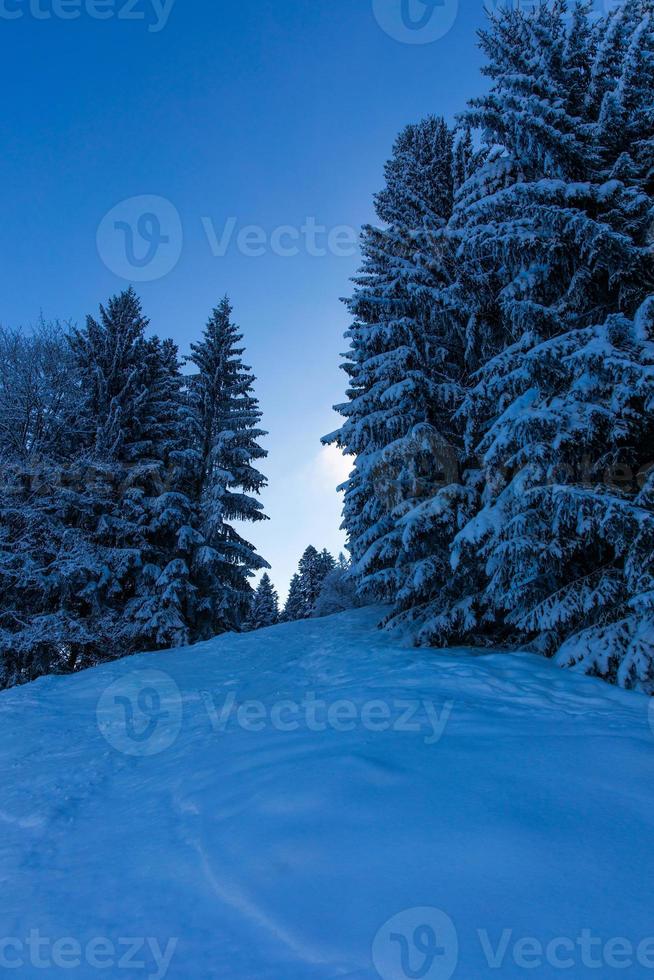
(264,605)
(120,481)
(227,417)
(537,286)
(306,585)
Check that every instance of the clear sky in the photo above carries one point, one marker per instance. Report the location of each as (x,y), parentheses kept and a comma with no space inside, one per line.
(237,113)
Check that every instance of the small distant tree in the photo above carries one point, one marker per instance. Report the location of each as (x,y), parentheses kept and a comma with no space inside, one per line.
(305,588)
(313,567)
(294,606)
(264,609)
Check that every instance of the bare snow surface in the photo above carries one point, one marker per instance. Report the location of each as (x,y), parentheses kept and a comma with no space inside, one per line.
(315,800)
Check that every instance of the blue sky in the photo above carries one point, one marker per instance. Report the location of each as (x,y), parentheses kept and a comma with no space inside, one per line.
(247,117)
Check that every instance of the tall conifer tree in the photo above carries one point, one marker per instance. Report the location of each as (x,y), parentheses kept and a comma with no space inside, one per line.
(405,357)
(228,416)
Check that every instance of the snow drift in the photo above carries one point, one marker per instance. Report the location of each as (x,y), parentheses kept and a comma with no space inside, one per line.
(314,801)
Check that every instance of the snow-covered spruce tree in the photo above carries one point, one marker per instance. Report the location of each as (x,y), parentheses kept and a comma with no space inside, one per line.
(227,417)
(446,489)
(168,599)
(294,605)
(38,418)
(556,269)
(264,606)
(405,361)
(495,239)
(591,603)
(134,505)
(305,586)
(572,566)
(107,486)
(313,567)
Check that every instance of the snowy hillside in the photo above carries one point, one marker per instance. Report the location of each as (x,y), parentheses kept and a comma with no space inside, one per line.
(261,806)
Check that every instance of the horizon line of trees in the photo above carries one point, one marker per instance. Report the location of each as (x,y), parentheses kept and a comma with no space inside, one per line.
(122,480)
(502,332)
(321,586)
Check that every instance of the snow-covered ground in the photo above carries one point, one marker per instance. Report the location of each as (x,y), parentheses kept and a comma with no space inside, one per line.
(314,801)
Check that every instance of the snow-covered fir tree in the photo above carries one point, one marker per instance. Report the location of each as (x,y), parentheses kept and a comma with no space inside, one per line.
(137,511)
(529,538)
(405,357)
(572,566)
(120,480)
(510,259)
(38,428)
(313,567)
(561,405)
(307,583)
(169,599)
(264,606)
(561,550)
(294,605)
(227,416)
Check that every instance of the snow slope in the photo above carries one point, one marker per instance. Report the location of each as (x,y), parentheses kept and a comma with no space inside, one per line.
(154,821)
